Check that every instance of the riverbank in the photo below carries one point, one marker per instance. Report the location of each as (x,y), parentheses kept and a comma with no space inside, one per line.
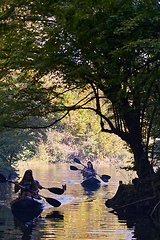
(9,174)
(141,199)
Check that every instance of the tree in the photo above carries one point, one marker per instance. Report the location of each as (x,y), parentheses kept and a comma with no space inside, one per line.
(109,48)
(19,144)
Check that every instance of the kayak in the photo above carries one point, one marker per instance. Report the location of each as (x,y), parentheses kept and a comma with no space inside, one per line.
(26,203)
(26,216)
(91,183)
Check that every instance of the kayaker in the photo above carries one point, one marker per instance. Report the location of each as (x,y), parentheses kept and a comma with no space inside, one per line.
(38,184)
(88,171)
(30,186)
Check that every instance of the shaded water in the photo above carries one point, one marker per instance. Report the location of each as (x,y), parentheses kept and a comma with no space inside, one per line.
(82,214)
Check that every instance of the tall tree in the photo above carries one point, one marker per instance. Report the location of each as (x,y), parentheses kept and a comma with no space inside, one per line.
(19,145)
(109,48)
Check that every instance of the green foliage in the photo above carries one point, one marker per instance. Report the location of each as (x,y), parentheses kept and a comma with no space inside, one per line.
(63,145)
(19,145)
(79,135)
(107,49)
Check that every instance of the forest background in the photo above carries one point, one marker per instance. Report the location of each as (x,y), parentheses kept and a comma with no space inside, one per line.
(78,135)
(59,59)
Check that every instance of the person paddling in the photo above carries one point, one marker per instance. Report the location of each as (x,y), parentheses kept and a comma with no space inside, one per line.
(38,184)
(30,186)
(88,171)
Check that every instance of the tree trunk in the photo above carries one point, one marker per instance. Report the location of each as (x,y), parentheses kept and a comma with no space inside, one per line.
(142,165)
(128,127)
(134,138)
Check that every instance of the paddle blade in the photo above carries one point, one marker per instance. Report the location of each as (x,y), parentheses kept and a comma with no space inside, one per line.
(73,168)
(104,179)
(53,202)
(2,178)
(77,160)
(106,176)
(55,190)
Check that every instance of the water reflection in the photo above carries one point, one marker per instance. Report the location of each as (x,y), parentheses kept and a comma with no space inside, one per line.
(144,227)
(27,227)
(55,215)
(82,214)
(26,216)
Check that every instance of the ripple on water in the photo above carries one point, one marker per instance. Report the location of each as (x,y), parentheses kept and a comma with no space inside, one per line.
(81,216)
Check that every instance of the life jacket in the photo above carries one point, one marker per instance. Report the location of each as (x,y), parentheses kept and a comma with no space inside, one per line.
(28,186)
(90,172)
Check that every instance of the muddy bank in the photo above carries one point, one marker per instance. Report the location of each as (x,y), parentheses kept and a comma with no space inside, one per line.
(139,199)
(139,205)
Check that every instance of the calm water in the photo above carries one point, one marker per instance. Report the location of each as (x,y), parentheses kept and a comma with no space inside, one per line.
(82,214)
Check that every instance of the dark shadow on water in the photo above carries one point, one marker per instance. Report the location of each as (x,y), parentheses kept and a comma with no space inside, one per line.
(54,215)
(91,188)
(88,192)
(25,216)
(92,191)
(144,228)
(104,187)
(26,221)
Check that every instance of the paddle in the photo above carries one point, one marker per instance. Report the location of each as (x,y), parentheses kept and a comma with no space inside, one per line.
(55,190)
(75,168)
(51,201)
(103,177)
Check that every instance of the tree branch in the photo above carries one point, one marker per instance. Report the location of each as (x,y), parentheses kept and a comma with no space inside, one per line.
(130,204)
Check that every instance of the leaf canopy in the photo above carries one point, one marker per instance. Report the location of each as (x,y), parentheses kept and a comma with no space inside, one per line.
(108,48)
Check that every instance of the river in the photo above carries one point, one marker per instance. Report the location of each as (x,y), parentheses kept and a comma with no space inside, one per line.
(82,214)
